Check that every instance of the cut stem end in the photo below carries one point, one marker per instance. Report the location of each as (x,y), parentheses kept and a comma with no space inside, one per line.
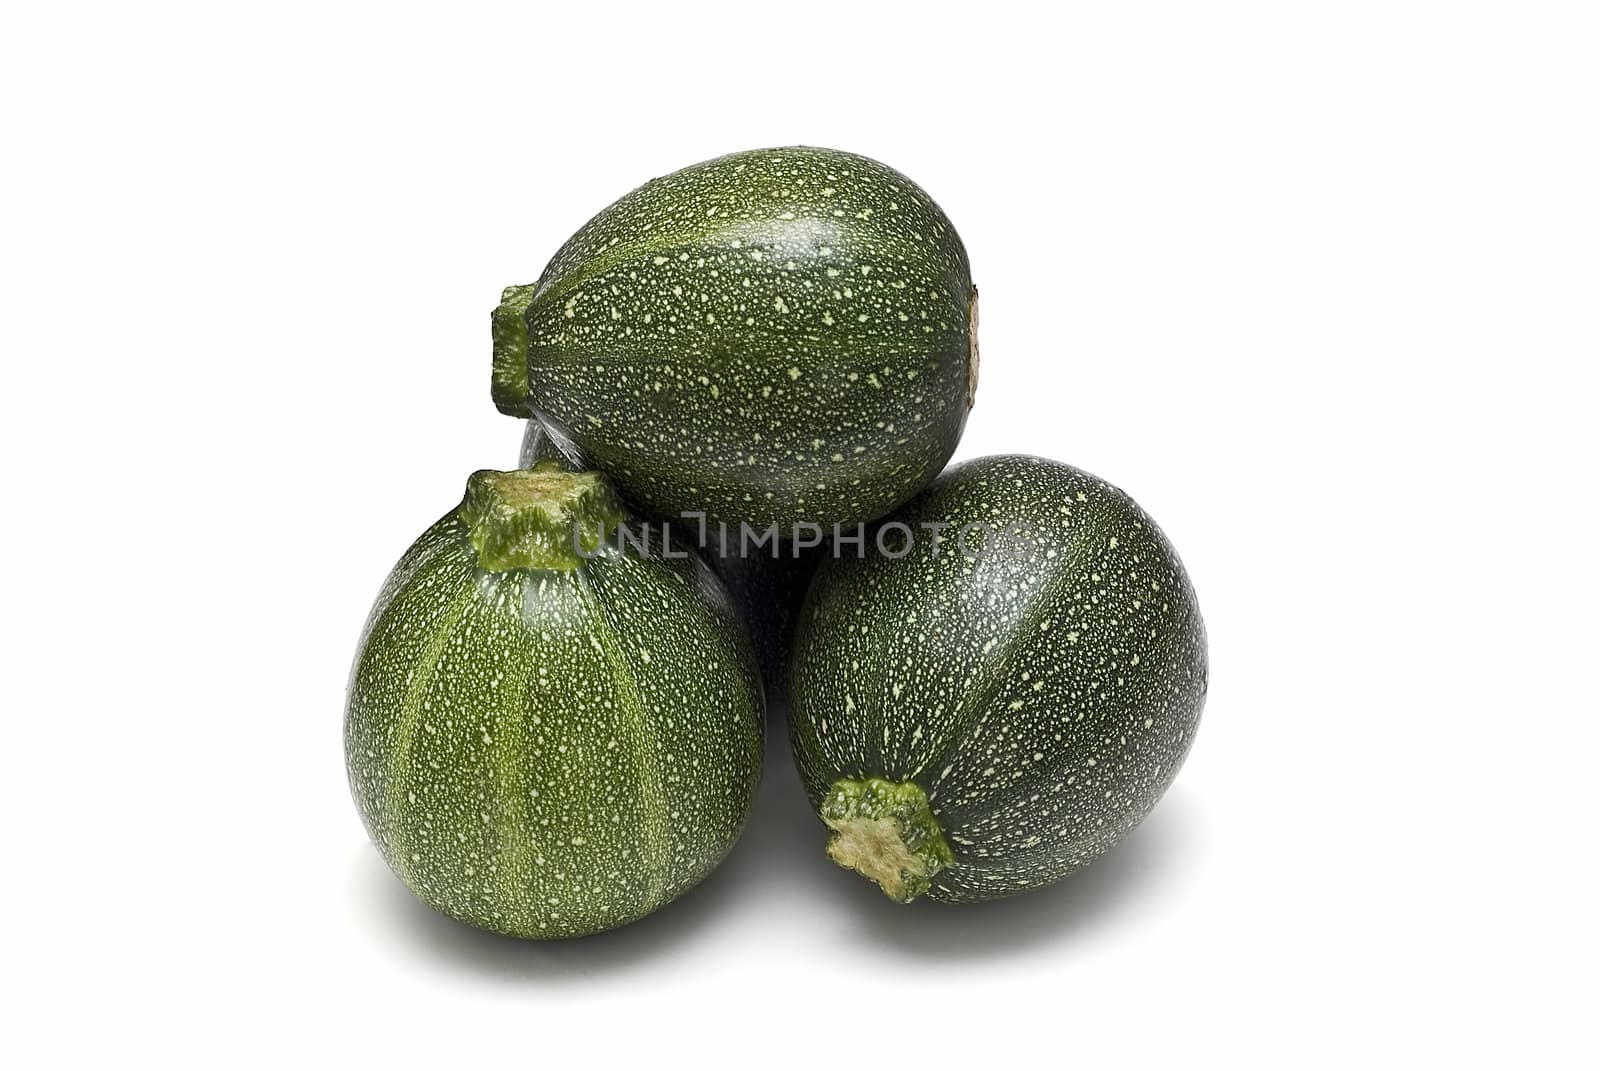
(972,348)
(509,383)
(885,831)
(538,518)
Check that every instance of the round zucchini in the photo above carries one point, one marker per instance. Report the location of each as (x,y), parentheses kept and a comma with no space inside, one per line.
(773,337)
(549,736)
(1002,688)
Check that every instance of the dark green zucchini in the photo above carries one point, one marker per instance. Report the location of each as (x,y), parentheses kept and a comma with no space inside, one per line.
(779,336)
(984,715)
(543,742)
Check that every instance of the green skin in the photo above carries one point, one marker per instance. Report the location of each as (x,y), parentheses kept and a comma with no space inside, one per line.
(542,745)
(766,584)
(774,337)
(973,727)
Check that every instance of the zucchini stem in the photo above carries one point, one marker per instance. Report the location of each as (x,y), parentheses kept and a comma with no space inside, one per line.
(509,383)
(972,348)
(886,831)
(538,518)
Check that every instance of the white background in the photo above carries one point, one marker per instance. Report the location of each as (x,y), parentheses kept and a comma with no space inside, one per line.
(1316,283)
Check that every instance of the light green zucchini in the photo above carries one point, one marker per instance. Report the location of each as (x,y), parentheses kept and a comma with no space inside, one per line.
(548,738)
